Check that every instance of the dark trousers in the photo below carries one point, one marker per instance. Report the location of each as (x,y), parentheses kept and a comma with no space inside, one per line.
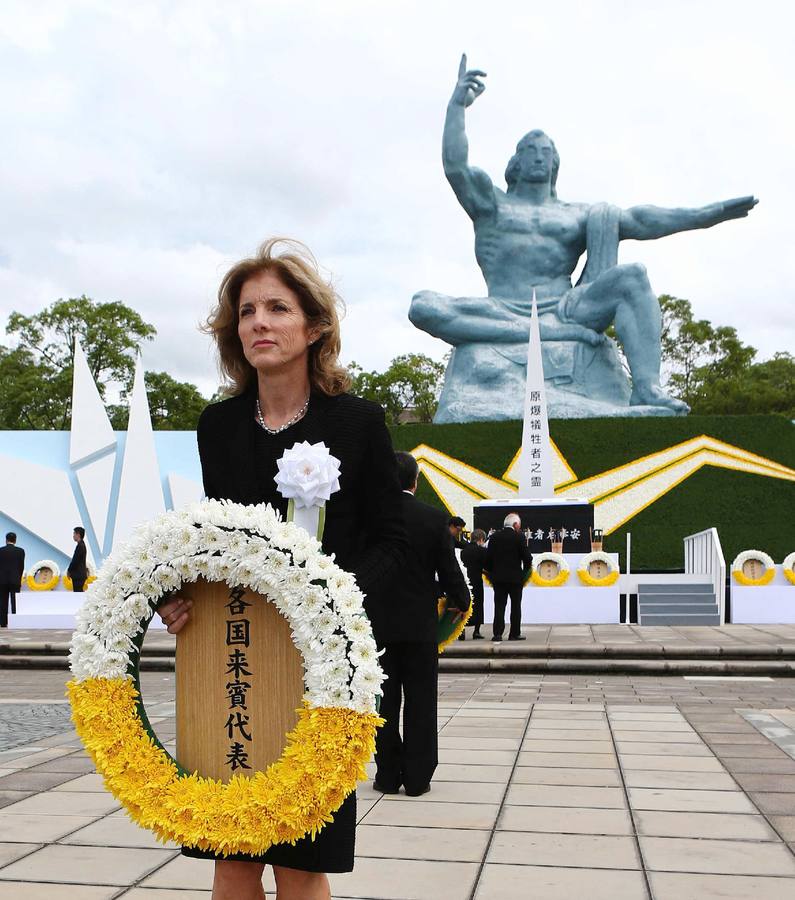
(7,592)
(78,583)
(411,676)
(477,602)
(502,591)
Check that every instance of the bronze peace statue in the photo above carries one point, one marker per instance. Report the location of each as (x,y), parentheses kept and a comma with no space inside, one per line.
(526,240)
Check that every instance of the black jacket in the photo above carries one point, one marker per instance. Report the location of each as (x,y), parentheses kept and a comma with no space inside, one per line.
(12,565)
(473,559)
(411,611)
(364,526)
(77,567)
(507,557)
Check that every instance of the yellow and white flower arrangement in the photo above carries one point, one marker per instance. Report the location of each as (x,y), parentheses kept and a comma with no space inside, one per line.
(746,556)
(584,574)
(788,567)
(52,581)
(563,570)
(249,547)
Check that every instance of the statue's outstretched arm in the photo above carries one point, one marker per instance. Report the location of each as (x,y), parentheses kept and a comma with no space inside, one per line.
(645,223)
(472,186)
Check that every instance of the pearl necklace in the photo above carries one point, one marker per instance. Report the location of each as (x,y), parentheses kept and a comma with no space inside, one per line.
(299,415)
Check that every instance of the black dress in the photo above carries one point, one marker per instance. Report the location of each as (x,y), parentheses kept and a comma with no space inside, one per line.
(364,529)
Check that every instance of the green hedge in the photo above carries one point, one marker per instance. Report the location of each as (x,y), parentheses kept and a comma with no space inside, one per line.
(748,510)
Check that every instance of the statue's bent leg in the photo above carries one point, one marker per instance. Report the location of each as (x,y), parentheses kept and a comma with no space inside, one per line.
(623,295)
(460,320)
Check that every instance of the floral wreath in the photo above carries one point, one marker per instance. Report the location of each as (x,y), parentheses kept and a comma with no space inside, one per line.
(741,578)
(92,577)
(561,578)
(248,547)
(585,576)
(788,567)
(30,578)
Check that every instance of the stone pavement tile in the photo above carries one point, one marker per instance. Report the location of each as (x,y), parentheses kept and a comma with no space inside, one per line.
(775,804)
(658,708)
(678,727)
(567,734)
(785,766)
(718,737)
(565,795)
(478,757)
(165,894)
(764,750)
(405,879)
(90,783)
(671,763)
(455,792)
(64,803)
(585,777)
(507,882)
(52,756)
(783,784)
(85,865)
(568,760)
(691,800)
(741,728)
(25,780)
(479,743)
(11,851)
(7,798)
(718,857)
(565,719)
(363,806)
(21,890)
(565,820)
(492,711)
(539,745)
(567,708)
(660,823)
(116,831)
(709,781)
(658,748)
(401,842)
(463,772)
(679,886)
(40,828)
(662,737)
(78,763)
(427,813)
(624,719)
(184,873)
(785,825)
(466,731)
(478,723)
(580,850)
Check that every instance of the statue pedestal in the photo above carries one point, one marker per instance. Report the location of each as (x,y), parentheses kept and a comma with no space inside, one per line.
(486,383)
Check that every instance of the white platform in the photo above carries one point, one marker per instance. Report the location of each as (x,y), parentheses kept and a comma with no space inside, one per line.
(773,604)
(570,604)
(51,609)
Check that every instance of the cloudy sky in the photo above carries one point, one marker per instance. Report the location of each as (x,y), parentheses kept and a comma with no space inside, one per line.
(148,145)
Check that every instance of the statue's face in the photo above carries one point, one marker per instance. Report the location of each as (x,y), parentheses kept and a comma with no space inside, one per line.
(535,156)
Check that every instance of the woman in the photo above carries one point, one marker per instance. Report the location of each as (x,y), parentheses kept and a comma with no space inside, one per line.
(278,338)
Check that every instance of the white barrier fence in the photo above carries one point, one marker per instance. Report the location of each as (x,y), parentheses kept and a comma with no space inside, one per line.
(704,556)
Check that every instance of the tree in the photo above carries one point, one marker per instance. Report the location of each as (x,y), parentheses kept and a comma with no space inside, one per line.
(174,405)
(110,334)
(412,382)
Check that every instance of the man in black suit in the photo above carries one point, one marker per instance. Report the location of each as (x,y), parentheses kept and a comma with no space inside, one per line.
(473,558)
(456,525)
(78,571)
(12,568)
(405,628)
(507,563)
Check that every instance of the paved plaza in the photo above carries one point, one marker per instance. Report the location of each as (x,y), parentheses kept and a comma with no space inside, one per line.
(624,787)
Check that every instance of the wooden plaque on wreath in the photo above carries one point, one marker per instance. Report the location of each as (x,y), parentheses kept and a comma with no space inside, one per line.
(239,683)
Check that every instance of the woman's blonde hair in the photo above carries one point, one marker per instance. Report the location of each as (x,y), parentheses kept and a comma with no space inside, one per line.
(297,268)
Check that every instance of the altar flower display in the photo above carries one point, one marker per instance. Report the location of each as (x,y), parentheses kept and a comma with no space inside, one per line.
(788,567)
(563,570)
(762,559)
(253,548)
(597,556)
(37,579)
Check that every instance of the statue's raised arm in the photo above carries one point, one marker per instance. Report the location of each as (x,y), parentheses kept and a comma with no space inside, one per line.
(472,186)
(647,223)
